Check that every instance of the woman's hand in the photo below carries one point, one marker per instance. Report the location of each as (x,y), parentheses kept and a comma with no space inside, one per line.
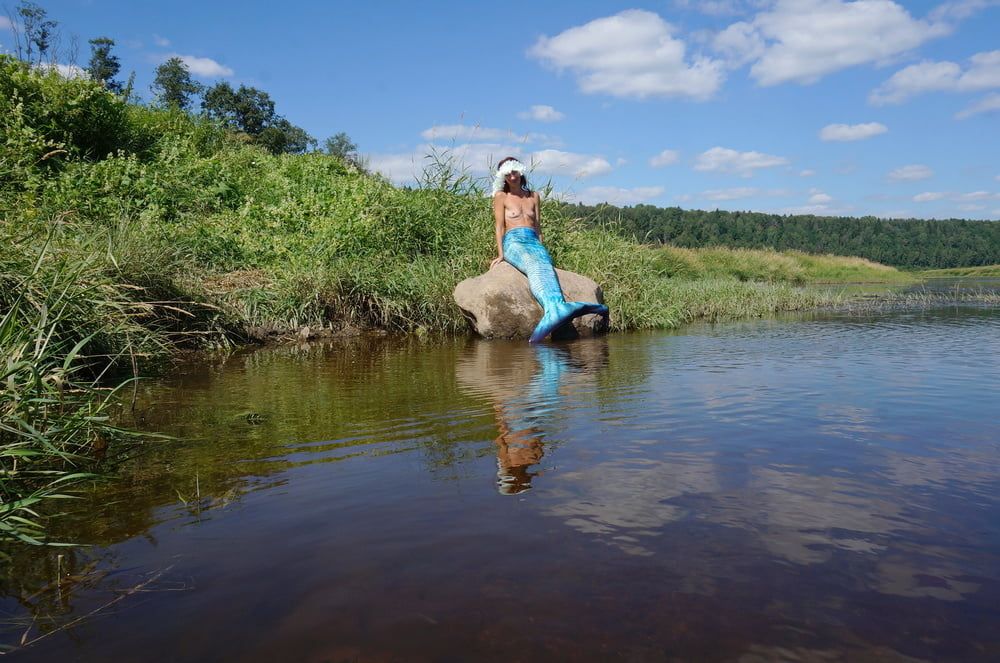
(496,261)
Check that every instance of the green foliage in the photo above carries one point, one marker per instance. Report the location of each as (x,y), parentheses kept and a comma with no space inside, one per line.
(898,242)
(36,29)
(173,85)
(252,112)
(47,120)
(341,145)
(103,65)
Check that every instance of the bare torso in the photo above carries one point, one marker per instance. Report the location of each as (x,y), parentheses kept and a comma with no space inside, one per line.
(520,211)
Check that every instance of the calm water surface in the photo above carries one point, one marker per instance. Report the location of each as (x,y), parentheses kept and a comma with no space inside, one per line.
(818,489)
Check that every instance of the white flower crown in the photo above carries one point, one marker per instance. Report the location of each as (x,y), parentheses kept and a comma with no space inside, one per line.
(507,168)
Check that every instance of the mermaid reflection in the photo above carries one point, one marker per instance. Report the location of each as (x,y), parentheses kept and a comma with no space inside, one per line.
(526,386)
(517,214)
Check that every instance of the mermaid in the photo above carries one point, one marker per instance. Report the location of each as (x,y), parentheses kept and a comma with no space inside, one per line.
(519,242)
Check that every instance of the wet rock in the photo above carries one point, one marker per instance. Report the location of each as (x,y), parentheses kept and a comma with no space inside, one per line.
(499,304)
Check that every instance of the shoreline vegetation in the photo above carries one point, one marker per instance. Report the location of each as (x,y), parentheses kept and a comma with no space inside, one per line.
(130,232)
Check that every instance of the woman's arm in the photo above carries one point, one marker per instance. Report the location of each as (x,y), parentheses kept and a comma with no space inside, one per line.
(498,219)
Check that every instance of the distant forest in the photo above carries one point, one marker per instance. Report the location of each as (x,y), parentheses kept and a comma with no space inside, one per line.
(897,242)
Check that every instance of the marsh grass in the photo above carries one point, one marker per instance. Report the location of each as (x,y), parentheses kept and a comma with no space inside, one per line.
(983,271)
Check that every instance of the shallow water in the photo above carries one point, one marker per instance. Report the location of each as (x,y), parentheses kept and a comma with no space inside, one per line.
(822,488)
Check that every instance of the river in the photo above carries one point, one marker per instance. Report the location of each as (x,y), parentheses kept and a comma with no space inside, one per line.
(819,487)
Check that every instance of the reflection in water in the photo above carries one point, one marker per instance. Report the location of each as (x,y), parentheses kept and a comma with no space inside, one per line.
(826,489)
(524,383)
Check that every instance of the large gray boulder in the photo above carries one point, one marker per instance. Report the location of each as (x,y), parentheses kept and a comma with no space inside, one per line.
(499,304)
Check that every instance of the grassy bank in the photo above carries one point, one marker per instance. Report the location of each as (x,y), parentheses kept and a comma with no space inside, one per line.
(129,231)
(981,272)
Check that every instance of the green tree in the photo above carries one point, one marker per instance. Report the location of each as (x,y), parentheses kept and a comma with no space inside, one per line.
(252,112)
(173,85)
(341,146)
(247,109)
(103,65)
(37,30)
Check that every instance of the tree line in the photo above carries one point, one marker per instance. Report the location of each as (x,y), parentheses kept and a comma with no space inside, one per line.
(897,242)
(246,110)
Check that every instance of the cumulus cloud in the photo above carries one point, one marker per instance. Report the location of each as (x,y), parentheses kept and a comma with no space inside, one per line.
(481,158)
(65,70)
(204,67)
(911,172)
(5,23)
(739,44)
(614,195)
(730,194)
(665,158)
(818,197)
(720,7)
(849,132)
(631,54)
(465,132)
(981,73)
(557,162)
(969,197)
(805,40)
(542,113)
(807,173)
(162,42)
(960,9)
(988,104)
(725,160)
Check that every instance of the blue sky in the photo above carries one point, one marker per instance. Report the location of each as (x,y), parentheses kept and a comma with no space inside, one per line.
(806,106)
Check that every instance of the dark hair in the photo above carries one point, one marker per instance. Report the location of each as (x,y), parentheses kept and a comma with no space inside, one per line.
(524,180)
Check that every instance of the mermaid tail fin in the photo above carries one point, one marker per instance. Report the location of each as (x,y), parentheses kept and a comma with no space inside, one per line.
(557,313)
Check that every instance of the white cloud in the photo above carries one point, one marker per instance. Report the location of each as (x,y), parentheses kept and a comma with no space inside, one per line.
(819,198)
(542,113)
(481,158)
(665,158)
(65,70)
(848,132)
(614,195)
(465,132)
(631,54)
(162,42)
(978,195)
(557,162)
(982,73)
(730,194)
(960,9)
(725,160)
(739,44)
(719,7)
(807,173)
(988,104)
(204,67)
(5,23)
(928,196)
(808,39)
(911,172)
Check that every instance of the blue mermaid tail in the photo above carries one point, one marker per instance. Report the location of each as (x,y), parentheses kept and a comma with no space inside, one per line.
(523,250)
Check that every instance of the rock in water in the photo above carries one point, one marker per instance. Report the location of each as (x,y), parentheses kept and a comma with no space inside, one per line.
(499,304)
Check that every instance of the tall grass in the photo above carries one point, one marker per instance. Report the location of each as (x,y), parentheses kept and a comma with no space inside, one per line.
(54,423)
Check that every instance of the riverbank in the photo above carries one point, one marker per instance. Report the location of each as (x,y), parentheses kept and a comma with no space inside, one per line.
(131,232)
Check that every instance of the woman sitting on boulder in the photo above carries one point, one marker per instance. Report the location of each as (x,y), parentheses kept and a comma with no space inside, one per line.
(516,210)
